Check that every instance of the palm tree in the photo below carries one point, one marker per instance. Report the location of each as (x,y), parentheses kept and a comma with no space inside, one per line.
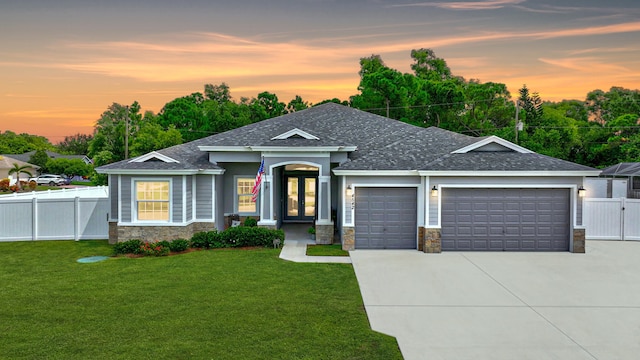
(17,169)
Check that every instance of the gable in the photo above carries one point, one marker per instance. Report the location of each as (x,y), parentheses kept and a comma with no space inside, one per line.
(492,144)
(295,134)
(153,157)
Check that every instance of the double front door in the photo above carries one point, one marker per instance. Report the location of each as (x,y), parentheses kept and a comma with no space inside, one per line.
(300,203)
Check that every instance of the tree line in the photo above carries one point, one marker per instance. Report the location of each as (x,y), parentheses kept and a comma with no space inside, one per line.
(598,131)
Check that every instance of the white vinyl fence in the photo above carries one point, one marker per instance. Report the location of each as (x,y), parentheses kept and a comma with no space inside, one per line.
(612,219)
(82,217)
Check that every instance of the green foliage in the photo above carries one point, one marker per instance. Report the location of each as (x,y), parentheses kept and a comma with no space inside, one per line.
(241,236)
(12,143)
(69,167)
(179,245)
(110,129)
(250,222)
(160,248)
(40,158)
(297,104)
(152,137)
(127,247)
(205,240)
(77,144)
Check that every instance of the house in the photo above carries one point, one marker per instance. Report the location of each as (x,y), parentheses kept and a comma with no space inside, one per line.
(52,155)
(630,171)
(364,180)
(6,164)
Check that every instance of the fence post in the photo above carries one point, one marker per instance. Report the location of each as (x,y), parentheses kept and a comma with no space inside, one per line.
(34,219)
(76,218)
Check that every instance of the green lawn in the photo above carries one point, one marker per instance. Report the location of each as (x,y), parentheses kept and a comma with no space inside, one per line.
(326,250)
(216,304)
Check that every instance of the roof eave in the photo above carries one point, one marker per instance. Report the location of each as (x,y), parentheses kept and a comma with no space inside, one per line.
(160,172)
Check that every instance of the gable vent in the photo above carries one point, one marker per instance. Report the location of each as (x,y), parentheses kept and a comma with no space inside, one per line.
(154,157)
(295,133)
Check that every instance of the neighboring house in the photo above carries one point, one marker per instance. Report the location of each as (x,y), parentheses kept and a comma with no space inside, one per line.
(52,155)
(6,164)
(367,181)
(629,171)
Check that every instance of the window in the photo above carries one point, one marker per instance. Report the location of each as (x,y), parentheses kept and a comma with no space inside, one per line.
(244,185)
(152,200)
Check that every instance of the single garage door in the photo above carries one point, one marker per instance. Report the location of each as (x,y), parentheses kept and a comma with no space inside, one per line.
(386,218)
(505,219)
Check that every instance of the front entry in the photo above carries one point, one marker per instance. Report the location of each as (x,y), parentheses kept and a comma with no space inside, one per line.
(300,202)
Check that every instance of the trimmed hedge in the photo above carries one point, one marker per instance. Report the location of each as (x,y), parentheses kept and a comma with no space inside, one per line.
(239,236)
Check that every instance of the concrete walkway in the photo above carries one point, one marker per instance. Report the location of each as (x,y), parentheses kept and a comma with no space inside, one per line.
(500,305)
(295,247)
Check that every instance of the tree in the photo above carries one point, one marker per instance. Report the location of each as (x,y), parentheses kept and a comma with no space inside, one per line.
(428,66)
(69,167)
(12,143)
(297,104)
(17,169)
(218,93)
(607,106)
(152,137)
(488,107)
(77,144)
(40,158)
(531,105)
(186,114)
(270,103)
(112,128)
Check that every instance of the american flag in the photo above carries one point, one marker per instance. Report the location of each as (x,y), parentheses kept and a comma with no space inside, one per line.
(256,187)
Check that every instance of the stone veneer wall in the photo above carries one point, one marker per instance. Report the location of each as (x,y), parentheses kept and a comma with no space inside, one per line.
(156,233)
(432,242)
(579,241)
(348,238)
(324,234)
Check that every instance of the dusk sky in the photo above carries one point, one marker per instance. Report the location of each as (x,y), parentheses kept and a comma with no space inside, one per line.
(62,63)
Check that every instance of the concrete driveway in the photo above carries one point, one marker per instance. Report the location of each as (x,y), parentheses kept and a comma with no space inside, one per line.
(466,305)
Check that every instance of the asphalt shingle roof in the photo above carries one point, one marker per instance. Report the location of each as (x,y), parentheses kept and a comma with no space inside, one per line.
(382,144)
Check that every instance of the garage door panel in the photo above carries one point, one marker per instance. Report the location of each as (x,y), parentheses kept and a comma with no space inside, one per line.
(386,218)
(506,219)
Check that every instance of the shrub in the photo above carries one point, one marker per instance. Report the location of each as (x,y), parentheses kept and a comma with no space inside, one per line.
(4,185)
(205,240)
(160,248)
(179,245)
(250,222)
(32,185)
(249,236)
(127,247)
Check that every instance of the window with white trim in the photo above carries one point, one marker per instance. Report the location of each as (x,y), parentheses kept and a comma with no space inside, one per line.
(152,200)
(244,205)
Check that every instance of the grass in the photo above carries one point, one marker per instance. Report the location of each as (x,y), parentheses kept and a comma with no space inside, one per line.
(326,250)
(216,304)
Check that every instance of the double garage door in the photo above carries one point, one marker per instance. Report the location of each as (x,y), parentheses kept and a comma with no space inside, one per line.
(505,219)
(472,219)
(386,218)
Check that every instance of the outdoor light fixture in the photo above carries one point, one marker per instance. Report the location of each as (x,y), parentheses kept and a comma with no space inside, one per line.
(349,191)
(581,191)
(434,191)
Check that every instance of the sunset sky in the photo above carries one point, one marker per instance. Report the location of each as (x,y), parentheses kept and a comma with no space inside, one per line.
(63,62)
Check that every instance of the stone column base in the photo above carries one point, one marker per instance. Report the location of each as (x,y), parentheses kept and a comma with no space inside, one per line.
(324,234)
(348,238)
(432,243)
(579,241)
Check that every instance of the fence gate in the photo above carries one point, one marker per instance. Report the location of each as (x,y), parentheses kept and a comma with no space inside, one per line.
(612,219)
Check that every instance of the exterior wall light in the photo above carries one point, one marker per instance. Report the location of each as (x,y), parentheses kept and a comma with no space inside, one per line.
(581,191)
(349,191)
(434,191)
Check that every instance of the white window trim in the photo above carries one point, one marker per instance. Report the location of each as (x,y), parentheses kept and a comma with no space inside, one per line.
(235,195)
(134,200)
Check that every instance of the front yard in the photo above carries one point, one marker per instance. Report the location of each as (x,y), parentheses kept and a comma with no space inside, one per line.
(214,304)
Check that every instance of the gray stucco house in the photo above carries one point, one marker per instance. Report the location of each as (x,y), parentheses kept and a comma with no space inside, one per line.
(364,180)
